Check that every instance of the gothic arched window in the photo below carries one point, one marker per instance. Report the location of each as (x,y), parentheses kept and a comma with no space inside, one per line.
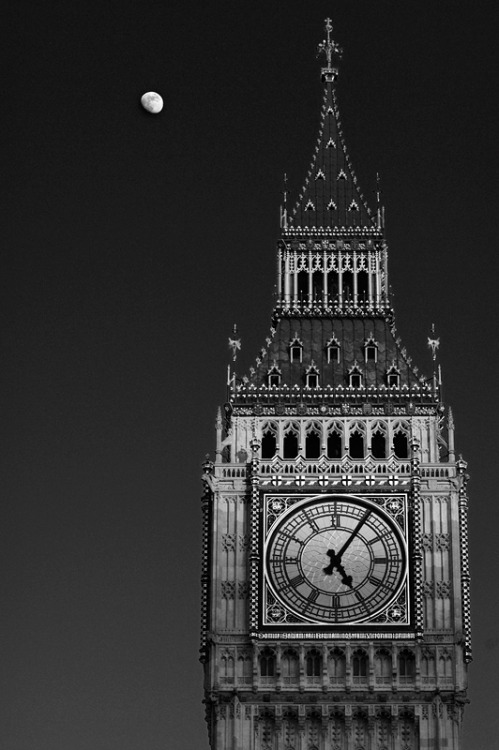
(267,663)
(296,348)
(313,441)
(274,377)
(334,442)
(317,284)
(383,667)
(333,350)
(407,666)
(313,663)
(427,666)
(290,666)
(244,668)
(336,666)
(269,440)
(400,444)
(312,376)
(359,666)
(347,279)
(370,350)
(362,285)
(302,288)
(290,442)
(356,443)
(355,377)
(378,441)
(393,377)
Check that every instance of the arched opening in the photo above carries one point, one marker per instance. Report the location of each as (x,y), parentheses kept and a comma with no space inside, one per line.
(244,668)
(383,667)
(362,286)
(312,444)
(333,353)
(269,444)
(332,286)
(401,445)
(267,663)
(378,444)
(274,378)
(347,279)
(334,445)
(313,663)
(356,445)
(359,666)
(407,666)
(336,666)
(290,444)
(355,378)
(295,351)
(313,379)
(290,666)
(317,284)
(303,286)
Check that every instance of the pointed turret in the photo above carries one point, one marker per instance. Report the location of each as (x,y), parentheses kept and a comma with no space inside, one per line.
(330,202)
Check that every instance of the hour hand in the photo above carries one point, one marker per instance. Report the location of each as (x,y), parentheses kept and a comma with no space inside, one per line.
(336,564)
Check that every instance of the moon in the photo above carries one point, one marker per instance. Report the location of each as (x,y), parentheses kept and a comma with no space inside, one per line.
(152,102)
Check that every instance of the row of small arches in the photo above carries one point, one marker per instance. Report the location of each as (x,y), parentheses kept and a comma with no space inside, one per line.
(335,440)
(289,664)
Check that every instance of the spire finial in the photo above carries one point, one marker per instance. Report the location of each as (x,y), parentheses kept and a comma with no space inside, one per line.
(235,343)
(284,207)
(329,47)
(433,342)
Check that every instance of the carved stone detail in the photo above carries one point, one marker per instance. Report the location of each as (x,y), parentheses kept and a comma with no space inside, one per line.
(228,589)
(228,542)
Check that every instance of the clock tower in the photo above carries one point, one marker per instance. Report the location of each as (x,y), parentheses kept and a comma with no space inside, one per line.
(335,578)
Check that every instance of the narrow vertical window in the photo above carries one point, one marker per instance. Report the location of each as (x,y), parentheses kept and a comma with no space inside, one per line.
(313,443)
(356,445)
(378,444)
(290,443)
(334,445)
(313,663)
(269,443)
(400,445)
(267,663)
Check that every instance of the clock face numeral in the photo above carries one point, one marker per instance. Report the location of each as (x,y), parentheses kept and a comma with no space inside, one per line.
(335,561)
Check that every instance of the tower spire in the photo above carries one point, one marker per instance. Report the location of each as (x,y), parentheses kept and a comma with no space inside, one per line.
(330,202)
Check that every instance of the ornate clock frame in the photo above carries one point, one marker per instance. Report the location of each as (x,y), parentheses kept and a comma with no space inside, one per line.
(271,618)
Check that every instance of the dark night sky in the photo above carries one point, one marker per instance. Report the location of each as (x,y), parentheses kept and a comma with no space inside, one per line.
(131,243)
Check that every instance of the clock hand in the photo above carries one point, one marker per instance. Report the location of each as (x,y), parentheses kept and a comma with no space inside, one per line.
(335,557)
(353,534)
(336,563)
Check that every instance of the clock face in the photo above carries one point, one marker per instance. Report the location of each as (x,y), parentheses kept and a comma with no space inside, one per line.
(335,559)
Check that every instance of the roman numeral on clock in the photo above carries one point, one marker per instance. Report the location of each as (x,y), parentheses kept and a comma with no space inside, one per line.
(297,580)
(313,596)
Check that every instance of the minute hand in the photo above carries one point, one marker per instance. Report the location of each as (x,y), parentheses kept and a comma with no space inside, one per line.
(354,534)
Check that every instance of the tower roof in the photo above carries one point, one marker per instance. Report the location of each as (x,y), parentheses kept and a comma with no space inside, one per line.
(330,201)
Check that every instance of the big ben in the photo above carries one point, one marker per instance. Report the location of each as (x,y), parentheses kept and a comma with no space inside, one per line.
(335,566)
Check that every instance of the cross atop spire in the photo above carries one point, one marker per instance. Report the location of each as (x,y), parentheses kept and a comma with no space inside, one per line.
(329,47)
